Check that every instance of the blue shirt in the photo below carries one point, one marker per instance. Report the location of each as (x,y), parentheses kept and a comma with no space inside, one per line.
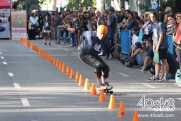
(111,26)
(159,28)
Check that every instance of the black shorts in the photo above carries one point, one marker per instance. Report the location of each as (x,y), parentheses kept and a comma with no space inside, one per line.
(163,53)
(90,59)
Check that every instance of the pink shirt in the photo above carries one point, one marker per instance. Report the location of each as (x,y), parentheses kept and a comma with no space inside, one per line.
(178,35)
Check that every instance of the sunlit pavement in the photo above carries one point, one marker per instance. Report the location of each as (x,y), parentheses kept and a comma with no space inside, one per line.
(32,89)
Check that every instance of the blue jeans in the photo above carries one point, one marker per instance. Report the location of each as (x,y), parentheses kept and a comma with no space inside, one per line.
(139,60)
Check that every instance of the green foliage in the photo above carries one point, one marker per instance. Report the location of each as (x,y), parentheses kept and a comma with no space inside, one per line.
(32,4)
(145,4)
(163,5)
(83,3)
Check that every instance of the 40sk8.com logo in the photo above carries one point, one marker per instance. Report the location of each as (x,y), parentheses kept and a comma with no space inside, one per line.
(157,105)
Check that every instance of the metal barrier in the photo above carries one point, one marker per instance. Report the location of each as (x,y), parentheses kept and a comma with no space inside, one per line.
(170,43)
(125,37)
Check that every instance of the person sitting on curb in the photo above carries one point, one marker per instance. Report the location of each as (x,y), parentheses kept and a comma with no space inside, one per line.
(137,55)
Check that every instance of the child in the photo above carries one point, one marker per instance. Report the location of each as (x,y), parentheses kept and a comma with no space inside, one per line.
(47,29)
(135,33)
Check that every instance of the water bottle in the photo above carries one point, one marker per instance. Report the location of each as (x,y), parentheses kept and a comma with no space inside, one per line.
(156,57)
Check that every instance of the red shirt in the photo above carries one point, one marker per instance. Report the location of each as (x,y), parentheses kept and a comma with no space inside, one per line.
(178,35)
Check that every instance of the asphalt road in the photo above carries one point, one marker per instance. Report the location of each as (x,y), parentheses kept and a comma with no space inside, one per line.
(32,89)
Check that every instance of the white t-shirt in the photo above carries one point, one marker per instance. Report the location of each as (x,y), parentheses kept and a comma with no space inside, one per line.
(135,39)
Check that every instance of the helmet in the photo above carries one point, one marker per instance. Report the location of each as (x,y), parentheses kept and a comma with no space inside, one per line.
(102,29)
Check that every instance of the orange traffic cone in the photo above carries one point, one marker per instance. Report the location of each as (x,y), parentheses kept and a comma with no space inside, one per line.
(68,71)
(60,65)
(135,116)
(64,68)
(57,63)
(121,112)
(81,82)
(93,90)
(54,61)
(77,77)
(71,73)
(102,96)
(86,86)
(112,103)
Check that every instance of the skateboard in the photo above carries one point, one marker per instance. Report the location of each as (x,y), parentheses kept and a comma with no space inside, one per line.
(107,90)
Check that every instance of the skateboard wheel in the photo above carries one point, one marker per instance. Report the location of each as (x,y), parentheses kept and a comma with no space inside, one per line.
(111,92)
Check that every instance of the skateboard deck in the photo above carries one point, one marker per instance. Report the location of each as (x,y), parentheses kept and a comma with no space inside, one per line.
(107,90)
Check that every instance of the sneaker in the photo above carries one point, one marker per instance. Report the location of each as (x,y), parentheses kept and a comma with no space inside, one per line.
(49,43)
(45,43)
(106,83)
(102,85)
(59,42)
(165,79)
(153,79)
(151,72)
(179,84)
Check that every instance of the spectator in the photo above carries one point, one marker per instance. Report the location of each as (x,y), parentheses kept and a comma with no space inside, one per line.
(112,28)
(56,20)
(47,30)
(160,46)
(147,28)
(138,54)
(177,38)
(132,22)
(99,16)
(149,57)
(135,37)
(32,21)
(19,7)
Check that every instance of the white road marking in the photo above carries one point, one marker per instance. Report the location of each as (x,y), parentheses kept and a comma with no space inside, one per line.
(179,98)
(124,74)
(75,53)
(25,102)
(2,57)
(16,85)
(148,85)
(4,63)
(10,74)
(0,53)
(65,49)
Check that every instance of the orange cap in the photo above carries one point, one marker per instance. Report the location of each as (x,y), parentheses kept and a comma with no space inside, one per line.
(102,29)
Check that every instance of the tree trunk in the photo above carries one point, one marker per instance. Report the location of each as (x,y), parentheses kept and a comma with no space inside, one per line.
(100,5)
(133,5)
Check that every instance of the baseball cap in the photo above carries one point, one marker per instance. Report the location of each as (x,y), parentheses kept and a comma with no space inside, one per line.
(167,9)
(111,8)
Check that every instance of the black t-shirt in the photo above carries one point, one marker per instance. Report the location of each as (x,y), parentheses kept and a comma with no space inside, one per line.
(46,25)
(150,52)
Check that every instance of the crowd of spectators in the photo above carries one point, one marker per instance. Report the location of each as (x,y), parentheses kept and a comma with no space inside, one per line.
(148,35)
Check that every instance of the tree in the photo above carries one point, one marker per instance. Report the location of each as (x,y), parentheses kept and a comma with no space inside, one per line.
(31,5)
(80,3)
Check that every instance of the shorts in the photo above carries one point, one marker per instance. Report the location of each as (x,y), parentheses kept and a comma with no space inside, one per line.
(90,59)
(163,53)
(115,38)
(47,31)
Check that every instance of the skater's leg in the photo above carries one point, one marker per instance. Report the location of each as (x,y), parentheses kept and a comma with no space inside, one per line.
(105,73)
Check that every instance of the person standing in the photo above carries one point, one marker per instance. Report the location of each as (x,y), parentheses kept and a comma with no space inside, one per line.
(160,46)
(56,20)
(47,30)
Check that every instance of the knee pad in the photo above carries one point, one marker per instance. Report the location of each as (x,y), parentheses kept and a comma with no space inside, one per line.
(98,69)
(106,70)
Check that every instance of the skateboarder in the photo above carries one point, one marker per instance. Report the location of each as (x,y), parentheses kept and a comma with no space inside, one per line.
(90,48)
